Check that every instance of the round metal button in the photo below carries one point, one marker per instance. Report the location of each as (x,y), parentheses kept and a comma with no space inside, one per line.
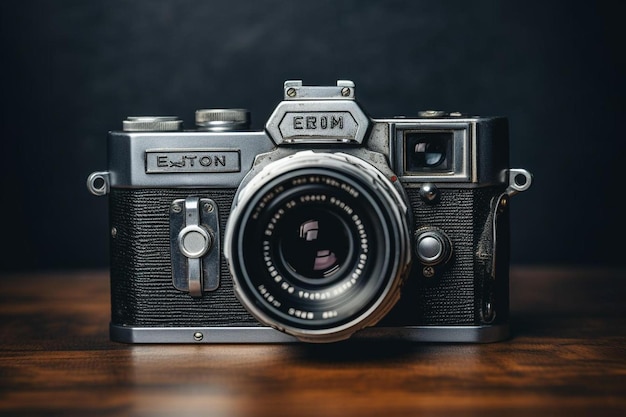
(194,241)
(432,246)
(429,248)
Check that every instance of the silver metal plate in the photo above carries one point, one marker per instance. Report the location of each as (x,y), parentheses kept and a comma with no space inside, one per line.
(431,334)
(188,160)
(318,121)
(191,272)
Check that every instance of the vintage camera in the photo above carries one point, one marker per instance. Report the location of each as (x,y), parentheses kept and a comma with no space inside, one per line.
(327,225)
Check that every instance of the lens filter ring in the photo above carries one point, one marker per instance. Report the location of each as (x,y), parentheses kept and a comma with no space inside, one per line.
(316,249)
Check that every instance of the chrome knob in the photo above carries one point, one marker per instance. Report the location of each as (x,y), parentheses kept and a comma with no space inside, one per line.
(152,124)
(222,120)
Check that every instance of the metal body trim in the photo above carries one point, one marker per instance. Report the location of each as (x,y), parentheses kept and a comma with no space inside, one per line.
(268,335)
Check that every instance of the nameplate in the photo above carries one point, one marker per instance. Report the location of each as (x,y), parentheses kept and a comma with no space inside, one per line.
(325,125)
(169,161)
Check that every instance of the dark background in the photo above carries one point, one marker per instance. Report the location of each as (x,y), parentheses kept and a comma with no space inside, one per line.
(72,70)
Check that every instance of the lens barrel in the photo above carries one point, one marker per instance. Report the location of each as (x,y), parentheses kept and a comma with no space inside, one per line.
(318,245)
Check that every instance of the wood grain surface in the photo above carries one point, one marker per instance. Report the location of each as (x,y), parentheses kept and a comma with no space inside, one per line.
(567,357)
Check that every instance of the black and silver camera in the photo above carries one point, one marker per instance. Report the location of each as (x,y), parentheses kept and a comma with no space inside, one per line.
(326,225)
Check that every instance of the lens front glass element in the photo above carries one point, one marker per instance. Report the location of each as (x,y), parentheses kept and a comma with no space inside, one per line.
(315,244)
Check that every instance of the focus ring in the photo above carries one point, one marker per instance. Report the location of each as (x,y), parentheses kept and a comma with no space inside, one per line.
(360,184)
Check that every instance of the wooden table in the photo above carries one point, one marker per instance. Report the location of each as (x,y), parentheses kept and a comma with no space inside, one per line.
(567,357)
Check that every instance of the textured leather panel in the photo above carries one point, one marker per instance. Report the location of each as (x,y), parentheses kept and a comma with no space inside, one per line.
(141,284)
(453,296)
(142,293)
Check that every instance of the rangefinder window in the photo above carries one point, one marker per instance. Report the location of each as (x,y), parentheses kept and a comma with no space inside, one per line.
(428,152)
(433,150)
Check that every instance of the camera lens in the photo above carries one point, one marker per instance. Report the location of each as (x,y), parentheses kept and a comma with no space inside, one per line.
(427,151)
(318,245)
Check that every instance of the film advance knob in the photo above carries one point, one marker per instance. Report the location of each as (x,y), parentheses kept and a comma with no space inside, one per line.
(432,246)
(222,120)
(152,124)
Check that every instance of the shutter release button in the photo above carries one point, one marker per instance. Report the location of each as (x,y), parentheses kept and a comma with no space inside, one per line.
(194,241)
(432,246)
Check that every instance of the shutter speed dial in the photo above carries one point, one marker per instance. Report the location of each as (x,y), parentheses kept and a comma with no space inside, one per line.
(432,246)
(223,120)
